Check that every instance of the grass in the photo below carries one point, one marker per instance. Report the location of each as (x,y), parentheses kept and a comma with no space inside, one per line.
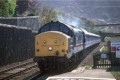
(116,74)
(87,66)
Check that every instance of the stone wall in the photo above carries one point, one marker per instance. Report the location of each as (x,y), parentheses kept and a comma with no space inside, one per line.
(30,21)
(16,44)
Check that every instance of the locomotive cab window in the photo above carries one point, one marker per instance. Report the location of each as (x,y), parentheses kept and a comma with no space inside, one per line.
(64,29)
(44,28)
(54,27)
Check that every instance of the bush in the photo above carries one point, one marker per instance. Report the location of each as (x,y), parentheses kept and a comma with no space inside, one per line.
(31,14)
(7,7)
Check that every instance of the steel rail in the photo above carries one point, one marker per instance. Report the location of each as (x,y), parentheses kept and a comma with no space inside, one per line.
(18,73)
(11,68)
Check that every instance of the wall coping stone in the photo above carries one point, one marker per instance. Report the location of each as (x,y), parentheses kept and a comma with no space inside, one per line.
(19,17)
(13,26)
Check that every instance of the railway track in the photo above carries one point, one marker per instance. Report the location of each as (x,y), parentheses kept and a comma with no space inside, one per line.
(44,76)
(12,72)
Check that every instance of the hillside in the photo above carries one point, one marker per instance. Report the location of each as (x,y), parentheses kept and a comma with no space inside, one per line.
(101,10)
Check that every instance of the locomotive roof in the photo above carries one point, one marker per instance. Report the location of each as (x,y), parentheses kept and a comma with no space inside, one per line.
(67,25)
(88,33)
(72,27)
(56,32)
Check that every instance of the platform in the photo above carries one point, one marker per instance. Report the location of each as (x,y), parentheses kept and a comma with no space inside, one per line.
(87,74)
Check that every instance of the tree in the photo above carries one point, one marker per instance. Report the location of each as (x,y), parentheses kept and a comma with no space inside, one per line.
(46,13)
(12,6)
(7,7)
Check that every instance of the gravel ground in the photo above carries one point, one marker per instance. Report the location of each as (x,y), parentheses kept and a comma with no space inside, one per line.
(89,58)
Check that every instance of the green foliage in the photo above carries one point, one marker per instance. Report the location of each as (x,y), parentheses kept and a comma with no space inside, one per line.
(3,8)
(116,74)
(31,14)
(12,6)
(88,22)
(7,7)
(48,16)
(46,13)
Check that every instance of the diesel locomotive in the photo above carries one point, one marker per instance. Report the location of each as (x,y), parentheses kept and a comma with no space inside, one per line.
(58,44)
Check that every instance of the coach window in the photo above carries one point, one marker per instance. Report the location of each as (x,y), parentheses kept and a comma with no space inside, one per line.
(54,27)
(80,36)
(45,28)
(64,29)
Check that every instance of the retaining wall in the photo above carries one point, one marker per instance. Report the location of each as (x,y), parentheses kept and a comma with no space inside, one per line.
(16,44)
(29,21)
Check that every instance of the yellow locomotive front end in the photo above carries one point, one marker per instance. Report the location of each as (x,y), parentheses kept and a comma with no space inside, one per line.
(51,44)
(50,47)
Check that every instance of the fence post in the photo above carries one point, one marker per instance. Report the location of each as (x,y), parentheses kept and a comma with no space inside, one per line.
(94,64)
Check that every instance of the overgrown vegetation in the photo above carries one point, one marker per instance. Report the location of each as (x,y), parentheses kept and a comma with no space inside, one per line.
(116,74)
(46,13)
(90,26)
(7,7)
(31,14)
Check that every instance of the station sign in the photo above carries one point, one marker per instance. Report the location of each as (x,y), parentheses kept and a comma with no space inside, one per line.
(115,47)
(103,56)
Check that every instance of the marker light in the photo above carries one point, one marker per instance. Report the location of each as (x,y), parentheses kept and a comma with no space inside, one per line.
(44,42)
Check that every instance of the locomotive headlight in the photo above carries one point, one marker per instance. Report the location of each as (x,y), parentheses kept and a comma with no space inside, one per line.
(50,48)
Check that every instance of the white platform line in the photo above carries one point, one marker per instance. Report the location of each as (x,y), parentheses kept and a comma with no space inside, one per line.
(83,78)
